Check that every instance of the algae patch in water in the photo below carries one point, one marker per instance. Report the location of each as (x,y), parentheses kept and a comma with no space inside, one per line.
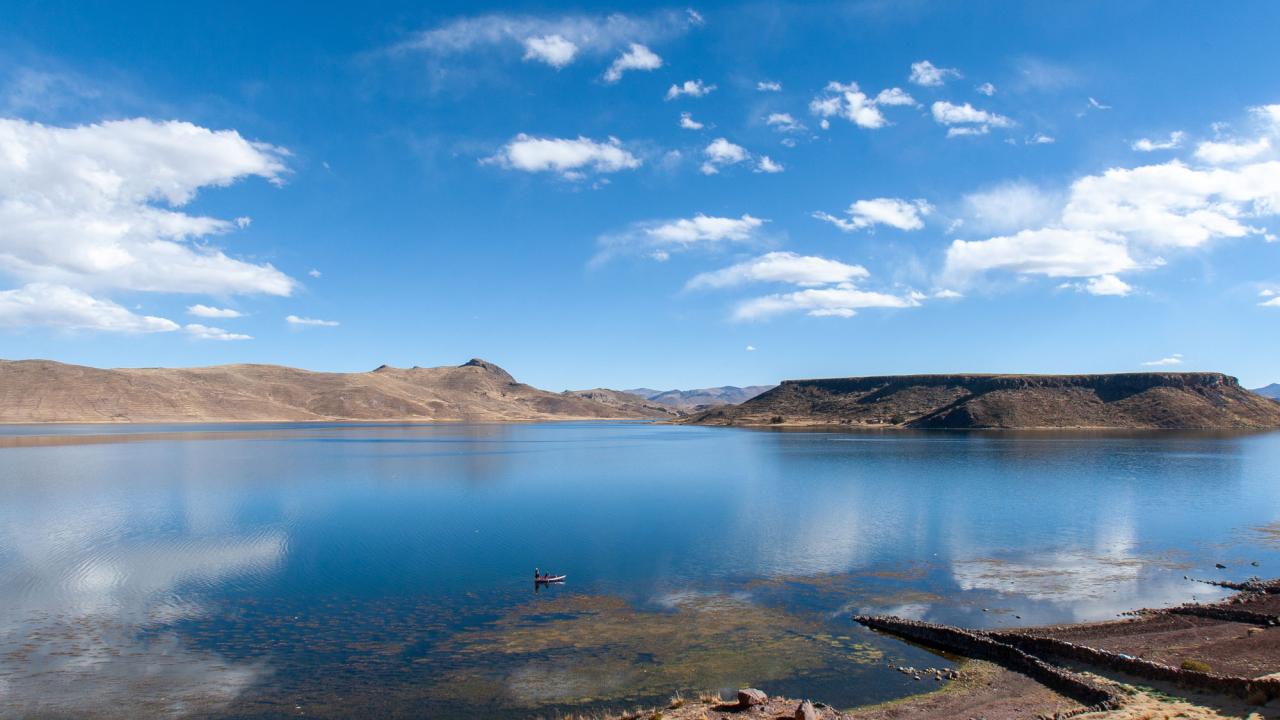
(588,649)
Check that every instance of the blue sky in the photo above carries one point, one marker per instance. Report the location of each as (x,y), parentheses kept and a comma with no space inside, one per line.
(613,195)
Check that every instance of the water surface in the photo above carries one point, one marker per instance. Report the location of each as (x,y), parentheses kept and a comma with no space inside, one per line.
(384,570)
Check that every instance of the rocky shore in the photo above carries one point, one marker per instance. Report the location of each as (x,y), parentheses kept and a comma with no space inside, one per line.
(1195,661)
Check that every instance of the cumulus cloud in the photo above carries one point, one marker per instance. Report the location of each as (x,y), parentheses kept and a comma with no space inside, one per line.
(929,75)
(312,322)
(95,206)
(1039,139)
(204,332)
(570,158)
(688,123)
(971,120)
(1273,302)
(553,50)
(843,300)
(848,101)
(59,306)
(556,41)
(894,212)
(768,86)
(722,153)
(692,88)
(1174,359)
(1107,285)
(207,311)
(1124,219)
(1054,252)
(987,89)
(783,267)
(1231,152)
(1148,145)
(314,273)
(766,165)
(783,122)
(659,238)
(637,57)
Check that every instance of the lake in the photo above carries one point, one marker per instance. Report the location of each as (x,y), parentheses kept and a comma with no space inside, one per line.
(385,570)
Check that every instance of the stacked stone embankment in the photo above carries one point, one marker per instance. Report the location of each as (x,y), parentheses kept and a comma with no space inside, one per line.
(1094,697)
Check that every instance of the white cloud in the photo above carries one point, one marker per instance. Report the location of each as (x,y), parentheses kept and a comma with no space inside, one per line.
(785,267)
(1039,139)
(1095,105)
(846,100)
(637,57)
(766,165)
(987,89)
(1123,219)
(1229,153)
(569,158)
(1053,252)
(894,96)
(94,206)
(206,311)
(553,50)
(721,153)
(1269,115)
(929,75)
(751,348)
(894,212)
(703,228)
(548,39)
(314,273)
(971,120)
(657,239)
(59,306)
(1273,302)
(1147,145)
(688,123)
(692,88)
(783,122)
(843,300)
(947,294)
(204,332)
(768,86)
(1009,206)
(1174,359)
(295,320)
(1107,285)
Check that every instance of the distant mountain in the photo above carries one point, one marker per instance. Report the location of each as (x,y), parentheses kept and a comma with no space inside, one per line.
(1131,400)
(46,391)
(1272,391)
(626,401)
(703,397)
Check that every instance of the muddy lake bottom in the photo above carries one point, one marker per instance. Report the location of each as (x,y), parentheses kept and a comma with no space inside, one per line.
(385,570)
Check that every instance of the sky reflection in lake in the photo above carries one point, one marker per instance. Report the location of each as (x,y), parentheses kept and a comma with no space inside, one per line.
(383,570)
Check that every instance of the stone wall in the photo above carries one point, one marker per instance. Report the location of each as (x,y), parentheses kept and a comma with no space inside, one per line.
(975,645)
(1249,688)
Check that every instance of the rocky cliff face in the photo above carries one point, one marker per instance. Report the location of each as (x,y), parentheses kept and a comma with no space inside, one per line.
(1128,400)
(479,391)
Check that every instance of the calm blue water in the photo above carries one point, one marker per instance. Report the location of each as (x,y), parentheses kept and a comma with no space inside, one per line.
(273,570)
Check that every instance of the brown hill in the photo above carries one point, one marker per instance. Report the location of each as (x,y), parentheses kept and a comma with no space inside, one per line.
(46,391)
(1130,400)
(626,401)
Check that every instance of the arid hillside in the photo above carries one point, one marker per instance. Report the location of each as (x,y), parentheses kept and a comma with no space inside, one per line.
(1130,400)
(46,391)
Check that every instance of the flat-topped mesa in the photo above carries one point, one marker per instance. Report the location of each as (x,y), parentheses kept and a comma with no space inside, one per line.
(1159,400)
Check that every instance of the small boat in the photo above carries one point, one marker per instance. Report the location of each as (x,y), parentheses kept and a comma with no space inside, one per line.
(549,578)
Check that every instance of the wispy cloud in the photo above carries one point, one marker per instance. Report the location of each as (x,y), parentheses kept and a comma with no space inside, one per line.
(1174,359)
(310,322)
(892,212)
(927,74)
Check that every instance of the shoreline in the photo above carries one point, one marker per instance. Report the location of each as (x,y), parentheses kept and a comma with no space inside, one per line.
(1200,661)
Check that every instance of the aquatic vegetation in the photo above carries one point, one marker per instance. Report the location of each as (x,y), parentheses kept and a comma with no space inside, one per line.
(588,649)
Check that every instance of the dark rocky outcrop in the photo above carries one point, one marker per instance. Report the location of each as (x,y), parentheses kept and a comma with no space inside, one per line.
(1126,400)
